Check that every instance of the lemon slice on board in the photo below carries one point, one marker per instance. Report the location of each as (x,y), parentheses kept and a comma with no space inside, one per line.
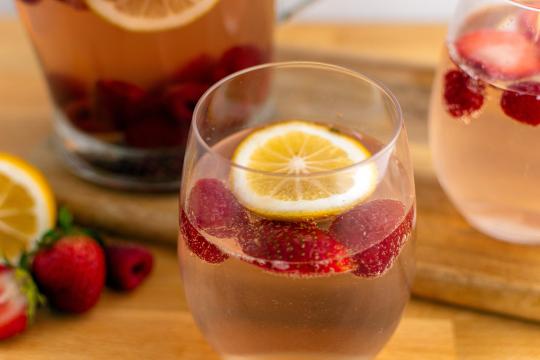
(150,15)
(301,149)
(27,206)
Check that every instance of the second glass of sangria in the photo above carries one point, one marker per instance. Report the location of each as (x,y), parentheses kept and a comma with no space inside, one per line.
(485,117)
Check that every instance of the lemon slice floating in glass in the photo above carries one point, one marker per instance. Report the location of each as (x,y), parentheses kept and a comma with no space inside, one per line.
(303,157)
(150,15)
(27,206)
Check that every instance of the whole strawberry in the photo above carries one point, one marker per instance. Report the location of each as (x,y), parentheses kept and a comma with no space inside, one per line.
(71,273)
(18,300)
(69,267)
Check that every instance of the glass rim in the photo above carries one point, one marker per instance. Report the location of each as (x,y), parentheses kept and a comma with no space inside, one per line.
(518,3)
(383,89)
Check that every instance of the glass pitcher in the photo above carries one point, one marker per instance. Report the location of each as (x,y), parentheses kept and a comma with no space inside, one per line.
(124,76)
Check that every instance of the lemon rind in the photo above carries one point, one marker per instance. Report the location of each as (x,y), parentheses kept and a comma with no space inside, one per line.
(107,11)
(34,182)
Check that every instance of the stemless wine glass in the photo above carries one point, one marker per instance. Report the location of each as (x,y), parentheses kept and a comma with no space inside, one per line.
(297,212)
(484,119)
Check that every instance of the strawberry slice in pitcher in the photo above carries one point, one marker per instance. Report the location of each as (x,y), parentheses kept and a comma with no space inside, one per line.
(237,58)
(199,69)
(155,132)
(181,100)
(65,89)
(502,55)
(82,116)
(117,101)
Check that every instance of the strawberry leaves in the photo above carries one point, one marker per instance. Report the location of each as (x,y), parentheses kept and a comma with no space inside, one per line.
(30,290)
(66,227)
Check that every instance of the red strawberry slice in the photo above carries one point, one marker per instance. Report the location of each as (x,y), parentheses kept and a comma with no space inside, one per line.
(182,99)
(463,95)
(215,210)
(521,102)
(15,309)
(197,70)
(294,248)
(376,231)
(127,266)
(198,245)
(500,54)
(118,102)
(237,58)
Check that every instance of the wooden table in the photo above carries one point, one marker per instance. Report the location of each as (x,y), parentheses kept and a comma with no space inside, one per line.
(154,323)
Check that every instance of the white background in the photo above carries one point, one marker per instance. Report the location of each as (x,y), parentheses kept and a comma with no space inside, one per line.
(358,10)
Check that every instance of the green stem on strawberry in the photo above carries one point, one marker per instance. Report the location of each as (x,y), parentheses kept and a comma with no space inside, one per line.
(65,227)
(29,288)
(26,285)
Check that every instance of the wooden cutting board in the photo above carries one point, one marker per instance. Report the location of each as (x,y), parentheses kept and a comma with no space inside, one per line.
(456,264)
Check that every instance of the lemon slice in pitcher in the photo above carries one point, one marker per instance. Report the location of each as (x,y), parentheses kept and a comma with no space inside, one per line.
(303,157)
(27,206)
(150,15)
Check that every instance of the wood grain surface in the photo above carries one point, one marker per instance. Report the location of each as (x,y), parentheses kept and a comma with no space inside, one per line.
(154,322)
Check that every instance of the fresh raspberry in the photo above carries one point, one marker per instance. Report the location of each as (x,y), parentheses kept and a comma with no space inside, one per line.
(294,248)
(18,301)
(521,102)
(154,132)
(488,50)
(118,102)
(80,113)
(71,273)
(127,266)
(463,95)
(237,58)
(198,244)
(65,89)
(215,210)
(376,232)
(197,70)
(182,99)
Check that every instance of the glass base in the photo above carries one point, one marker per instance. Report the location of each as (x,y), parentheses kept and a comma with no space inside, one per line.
(115,166)
(505,229)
